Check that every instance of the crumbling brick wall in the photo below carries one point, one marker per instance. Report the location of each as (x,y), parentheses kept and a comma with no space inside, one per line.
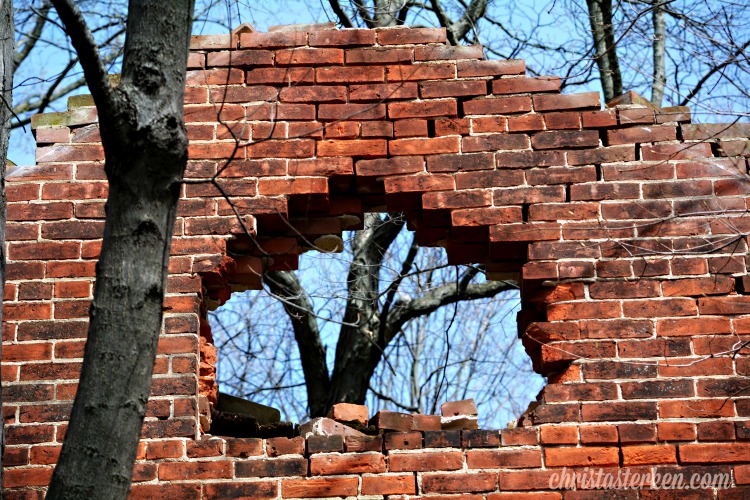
(625,226)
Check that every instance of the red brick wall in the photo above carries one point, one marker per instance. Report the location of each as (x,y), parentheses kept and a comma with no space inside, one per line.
(625,226)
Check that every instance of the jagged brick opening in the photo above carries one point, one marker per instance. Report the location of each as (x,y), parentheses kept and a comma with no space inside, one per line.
(629,226)
(244,269)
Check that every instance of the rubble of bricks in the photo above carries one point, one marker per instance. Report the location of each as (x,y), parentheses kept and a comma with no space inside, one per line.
(626,227)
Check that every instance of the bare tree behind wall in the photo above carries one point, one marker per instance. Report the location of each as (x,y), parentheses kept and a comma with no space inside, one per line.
(386,323)
(6,74)
(145,145)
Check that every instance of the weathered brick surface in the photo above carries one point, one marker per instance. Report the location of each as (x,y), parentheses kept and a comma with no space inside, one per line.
(628,228)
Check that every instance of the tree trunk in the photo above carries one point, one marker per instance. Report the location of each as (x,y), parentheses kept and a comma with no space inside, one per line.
(145,145)
(660,48)
(6,73)
(603,33)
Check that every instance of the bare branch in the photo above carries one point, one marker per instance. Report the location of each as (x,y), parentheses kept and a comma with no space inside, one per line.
(96,73)
(339,11)
(312,353)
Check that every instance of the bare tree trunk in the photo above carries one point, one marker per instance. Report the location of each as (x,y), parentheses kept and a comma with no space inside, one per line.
(603,32)
(285,285)
(6,73)
(660,47)
(145,145)
(368,326)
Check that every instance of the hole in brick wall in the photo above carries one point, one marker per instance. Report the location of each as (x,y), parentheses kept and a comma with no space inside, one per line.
(462,350)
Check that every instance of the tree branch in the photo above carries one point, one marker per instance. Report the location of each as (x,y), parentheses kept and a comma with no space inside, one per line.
(33,36)
(339,11)
(312,353)
(659,47)
(439,297)
(468,20)
(83,41)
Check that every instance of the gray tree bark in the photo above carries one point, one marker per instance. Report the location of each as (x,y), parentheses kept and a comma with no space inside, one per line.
(145,145)
(6,73)
(660,49)
(605,51)
(368,325)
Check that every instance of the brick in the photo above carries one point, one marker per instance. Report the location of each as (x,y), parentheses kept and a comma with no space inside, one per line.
(274,467)
(456,88)
(503,459)
(379,55)
(495,142)
(435,145)
(276,447)
(630,135)
(403,440)
(486,216)
(417,72)
(672,152)
(459,483)
(456,199)
(581,457)
(401,36)
(497,105)
(425,461)
(351,111)
(324,38)
(173,471)
(363,443)
(676,431)
(319,487)
(468,69)
(422,109)
(236,489)
(528,195)
(587,100)
(522,85)
(565,139)
(598,434)
(402,484)
(714,453)
(324,465)
(644,455)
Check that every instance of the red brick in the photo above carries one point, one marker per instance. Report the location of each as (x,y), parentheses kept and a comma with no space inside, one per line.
(319,487)
(416,146)
(351,111)
(643,455)
(425,461)
(330,464)
(416,72)
(630,135)
(581,457)
(324,38)
(598,434)
(379,55)
(452,88)
(402,484)
(422,109)
(565,139)
(567,101)
(176,471)
(676,431)
(714,453)
(468,69)
(459,483)
(495,142)
(503,459)
(671,152)
(498,105)
(401,36)
(522,85)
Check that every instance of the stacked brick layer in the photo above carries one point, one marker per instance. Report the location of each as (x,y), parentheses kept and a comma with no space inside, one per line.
(626,227)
